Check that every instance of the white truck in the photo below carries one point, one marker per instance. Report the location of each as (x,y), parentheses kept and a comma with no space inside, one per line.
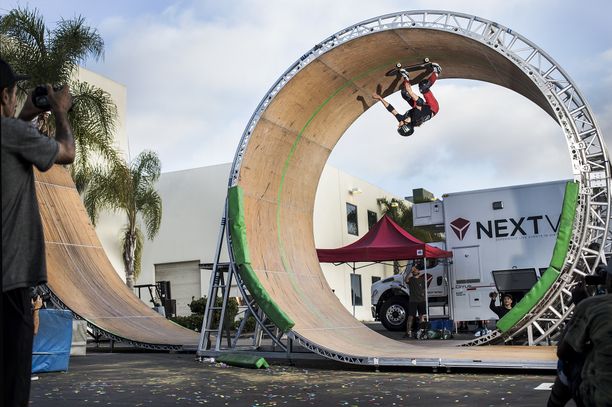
(390,296)
(501,239)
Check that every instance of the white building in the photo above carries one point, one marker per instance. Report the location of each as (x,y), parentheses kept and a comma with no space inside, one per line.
(193,202)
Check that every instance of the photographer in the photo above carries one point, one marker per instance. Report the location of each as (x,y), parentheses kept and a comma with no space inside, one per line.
(503,309)
(585,351)
(23,248)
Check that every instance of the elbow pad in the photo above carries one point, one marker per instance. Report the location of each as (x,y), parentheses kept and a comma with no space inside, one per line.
(390,108)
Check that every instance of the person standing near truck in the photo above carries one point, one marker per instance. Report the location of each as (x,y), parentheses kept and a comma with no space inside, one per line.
(417,283)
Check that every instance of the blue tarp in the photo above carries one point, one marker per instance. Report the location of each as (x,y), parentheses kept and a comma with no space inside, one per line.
(51,349)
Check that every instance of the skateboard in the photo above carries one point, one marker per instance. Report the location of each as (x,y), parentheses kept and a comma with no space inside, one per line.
(426,64)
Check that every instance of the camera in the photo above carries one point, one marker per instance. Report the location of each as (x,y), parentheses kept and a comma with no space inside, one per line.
(40,96)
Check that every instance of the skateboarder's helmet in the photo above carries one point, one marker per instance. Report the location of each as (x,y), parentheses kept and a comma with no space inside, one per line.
(405,130)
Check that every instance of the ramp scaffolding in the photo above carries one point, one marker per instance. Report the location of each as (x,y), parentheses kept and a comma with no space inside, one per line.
(273,182)
(285,145)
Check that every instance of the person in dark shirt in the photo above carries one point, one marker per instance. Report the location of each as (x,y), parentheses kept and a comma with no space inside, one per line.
(417,284)
(23,246)
(503,309)
(586,346)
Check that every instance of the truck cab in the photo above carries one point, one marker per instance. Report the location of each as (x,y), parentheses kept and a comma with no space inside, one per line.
(390,296)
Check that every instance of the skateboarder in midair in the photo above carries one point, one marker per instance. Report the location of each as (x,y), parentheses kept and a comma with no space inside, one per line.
(421,110)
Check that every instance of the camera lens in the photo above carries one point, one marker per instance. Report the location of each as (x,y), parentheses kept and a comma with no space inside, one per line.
(40,99)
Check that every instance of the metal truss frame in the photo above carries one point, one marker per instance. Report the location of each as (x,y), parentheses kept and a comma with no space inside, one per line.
(99,332)
(264,327)
(591,240)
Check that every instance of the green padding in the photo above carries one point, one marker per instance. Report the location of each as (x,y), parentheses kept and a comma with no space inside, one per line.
(237,226)
(240,249)
(250,361)
(264,301)
(565,225)
(529,300)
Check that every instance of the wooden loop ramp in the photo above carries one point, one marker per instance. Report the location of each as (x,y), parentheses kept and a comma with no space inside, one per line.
(82,278)
(293,131)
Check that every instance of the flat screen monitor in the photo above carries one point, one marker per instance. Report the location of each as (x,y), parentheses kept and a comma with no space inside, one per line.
(514,279)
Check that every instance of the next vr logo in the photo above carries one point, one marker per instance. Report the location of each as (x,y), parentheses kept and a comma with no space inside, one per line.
(509,227)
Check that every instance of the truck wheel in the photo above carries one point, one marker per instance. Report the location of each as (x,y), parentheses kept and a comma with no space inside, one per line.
(394,312)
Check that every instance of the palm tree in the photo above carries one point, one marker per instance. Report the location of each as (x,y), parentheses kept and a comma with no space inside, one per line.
(130,189)
(53,56)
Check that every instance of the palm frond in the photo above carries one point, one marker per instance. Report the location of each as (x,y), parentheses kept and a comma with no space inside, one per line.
(53,57)
(73,42)
(146,169)
(149,204)
(94,107)
(106,189)
(27,29)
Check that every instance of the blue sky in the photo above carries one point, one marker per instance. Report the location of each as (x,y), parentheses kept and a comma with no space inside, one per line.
(196,70)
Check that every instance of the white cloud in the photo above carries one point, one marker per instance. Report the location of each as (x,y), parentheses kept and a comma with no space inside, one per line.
(196,70)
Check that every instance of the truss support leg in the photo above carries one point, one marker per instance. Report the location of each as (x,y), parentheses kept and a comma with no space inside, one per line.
(216,282)
(530,335)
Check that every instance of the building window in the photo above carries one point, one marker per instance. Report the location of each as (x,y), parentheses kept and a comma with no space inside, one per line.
(356,289)
(375,279)
(351,219)
(372,219)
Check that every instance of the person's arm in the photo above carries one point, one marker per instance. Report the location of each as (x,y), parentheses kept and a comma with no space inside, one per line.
(492,305)
(61,102)
(391,109)
(407,278)
(386,104)
(37,305)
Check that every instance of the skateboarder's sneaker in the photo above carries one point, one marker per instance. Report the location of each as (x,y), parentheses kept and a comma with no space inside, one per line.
(436,68)
(404,74)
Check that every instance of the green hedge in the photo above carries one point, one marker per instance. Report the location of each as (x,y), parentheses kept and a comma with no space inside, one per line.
(198,308)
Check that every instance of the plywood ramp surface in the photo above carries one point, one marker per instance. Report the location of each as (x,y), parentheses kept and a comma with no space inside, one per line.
(289,147)
(83,278)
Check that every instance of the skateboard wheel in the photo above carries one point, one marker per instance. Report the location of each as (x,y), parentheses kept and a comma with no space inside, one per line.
(426,60)
(398,65)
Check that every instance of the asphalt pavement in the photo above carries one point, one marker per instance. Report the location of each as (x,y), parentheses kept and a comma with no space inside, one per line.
(127,377)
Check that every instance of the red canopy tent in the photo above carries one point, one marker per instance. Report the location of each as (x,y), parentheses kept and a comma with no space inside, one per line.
(384,242)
